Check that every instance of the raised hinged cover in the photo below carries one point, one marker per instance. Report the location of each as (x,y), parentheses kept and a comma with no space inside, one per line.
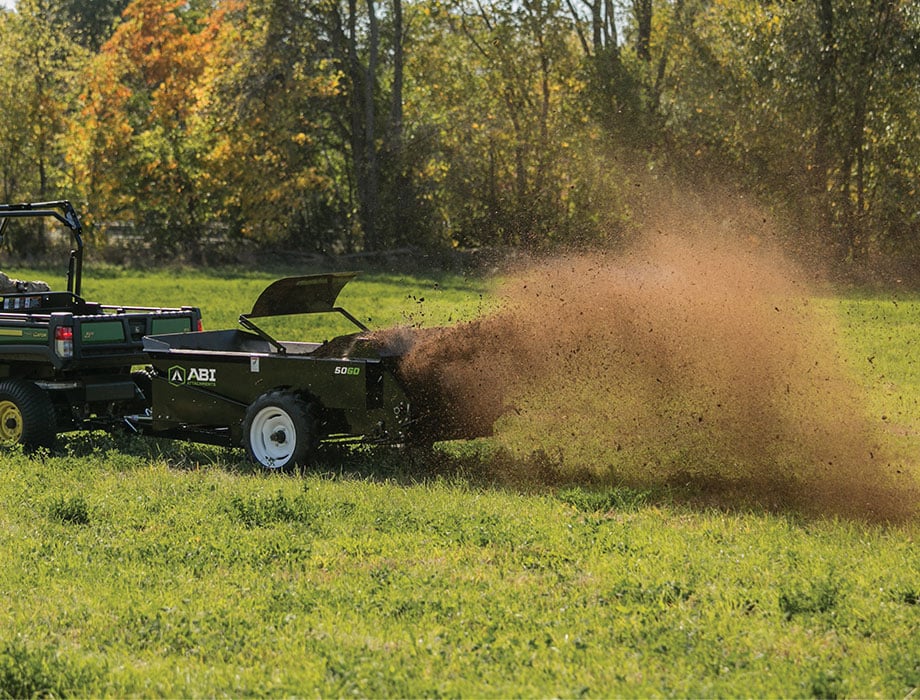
(306,294)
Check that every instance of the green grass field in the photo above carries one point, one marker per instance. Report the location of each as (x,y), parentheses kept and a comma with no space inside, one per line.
(134,567)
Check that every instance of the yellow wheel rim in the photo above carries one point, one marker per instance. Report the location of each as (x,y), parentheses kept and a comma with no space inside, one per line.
(10,422)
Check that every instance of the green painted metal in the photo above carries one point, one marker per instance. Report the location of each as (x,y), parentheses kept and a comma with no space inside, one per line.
(37,336)
(168,324)
(102,332)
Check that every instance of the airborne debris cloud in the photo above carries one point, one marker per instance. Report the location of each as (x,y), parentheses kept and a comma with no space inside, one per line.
(691,360)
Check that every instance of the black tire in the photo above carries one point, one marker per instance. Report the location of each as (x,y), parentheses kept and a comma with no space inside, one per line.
(280,430)
(27,415)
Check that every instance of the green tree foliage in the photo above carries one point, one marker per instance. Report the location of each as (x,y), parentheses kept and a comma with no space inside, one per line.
(137,146)
(37,65)
(813,104)
(14,148)
(311,109)
(500,84)
(364,43)
(92,21)
(368,124)
(272,170)
(276,159)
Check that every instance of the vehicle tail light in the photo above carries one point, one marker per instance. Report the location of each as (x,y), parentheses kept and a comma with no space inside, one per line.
(200,325)
(63,341)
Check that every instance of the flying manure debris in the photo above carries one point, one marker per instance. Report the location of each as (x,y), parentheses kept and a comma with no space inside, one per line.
(687,361)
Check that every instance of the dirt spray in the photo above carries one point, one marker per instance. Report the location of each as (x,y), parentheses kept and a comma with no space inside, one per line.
(695,360)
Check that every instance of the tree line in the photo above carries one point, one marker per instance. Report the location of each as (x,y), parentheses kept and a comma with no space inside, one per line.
(345,125)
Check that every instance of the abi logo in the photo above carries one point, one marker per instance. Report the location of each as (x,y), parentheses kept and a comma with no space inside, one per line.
(177,375)
(195,376)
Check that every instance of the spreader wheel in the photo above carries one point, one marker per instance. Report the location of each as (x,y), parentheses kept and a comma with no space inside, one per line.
(280,430)
(26,415)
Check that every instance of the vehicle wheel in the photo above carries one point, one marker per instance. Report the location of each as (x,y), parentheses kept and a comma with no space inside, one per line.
(26,415)
(280,430)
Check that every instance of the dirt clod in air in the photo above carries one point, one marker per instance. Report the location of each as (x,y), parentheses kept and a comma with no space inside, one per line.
(693,360)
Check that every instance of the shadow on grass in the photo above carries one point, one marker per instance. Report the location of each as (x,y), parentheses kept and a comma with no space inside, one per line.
(482,464)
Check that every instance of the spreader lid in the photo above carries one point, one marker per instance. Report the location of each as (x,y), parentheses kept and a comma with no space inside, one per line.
(307,294)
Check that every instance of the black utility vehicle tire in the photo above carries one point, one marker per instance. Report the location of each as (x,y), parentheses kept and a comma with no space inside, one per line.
(280,430)
(26,415)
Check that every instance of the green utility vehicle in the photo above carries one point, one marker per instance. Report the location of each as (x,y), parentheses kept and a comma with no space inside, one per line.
(67,363)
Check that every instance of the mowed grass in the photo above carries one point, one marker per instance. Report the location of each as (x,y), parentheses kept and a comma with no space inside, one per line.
(378,299)
(883,336)
(152,568)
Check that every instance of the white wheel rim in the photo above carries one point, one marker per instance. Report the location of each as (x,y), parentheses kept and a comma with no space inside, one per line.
(272,437)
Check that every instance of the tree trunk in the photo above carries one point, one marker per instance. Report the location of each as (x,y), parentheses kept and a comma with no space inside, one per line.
(401,194)
(610,26)
(396,116)
(827,106)
(643,12)
(371,168)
